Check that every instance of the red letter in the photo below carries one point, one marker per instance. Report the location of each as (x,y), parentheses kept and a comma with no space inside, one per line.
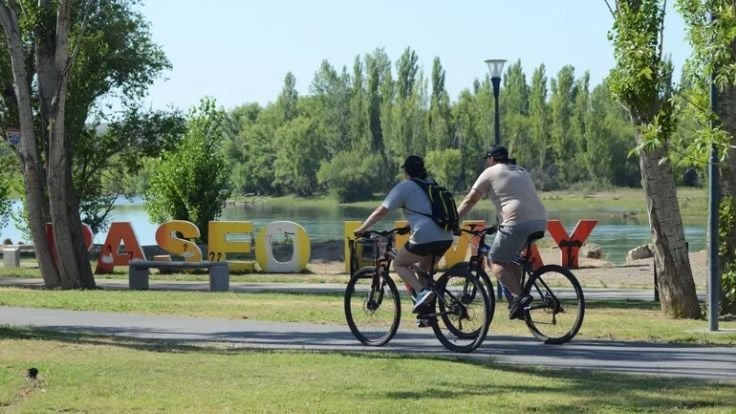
(570,245)
(110,254)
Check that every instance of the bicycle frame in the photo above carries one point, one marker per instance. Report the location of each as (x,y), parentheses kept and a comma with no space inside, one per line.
(383,262)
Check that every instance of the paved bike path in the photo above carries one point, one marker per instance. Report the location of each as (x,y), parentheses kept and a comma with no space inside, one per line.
(315,288)
(704,362)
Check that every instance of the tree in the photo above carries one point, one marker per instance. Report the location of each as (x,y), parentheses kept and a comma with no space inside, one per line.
(515,124)
(439,131)
(88,48)
(444,166)
(299,154)
(191,182)
(641,80)
(711,33)
(332,91)
(561,105)
(112,157)
(539,115)
(42,32)
(350,176)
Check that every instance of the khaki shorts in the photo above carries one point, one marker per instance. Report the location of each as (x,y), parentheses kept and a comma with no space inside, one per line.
(511,239)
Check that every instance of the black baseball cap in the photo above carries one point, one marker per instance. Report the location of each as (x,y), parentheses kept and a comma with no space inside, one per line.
(498,152)
(414,161)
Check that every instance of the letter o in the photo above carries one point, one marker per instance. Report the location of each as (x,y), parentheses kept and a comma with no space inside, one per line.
(264,248)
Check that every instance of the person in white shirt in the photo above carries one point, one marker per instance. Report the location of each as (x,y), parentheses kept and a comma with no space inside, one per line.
(519,212)
(428,241)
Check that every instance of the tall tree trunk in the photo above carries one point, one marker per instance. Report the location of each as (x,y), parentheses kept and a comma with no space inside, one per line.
(727,115)
(31,162)
(675,279)
(53,60)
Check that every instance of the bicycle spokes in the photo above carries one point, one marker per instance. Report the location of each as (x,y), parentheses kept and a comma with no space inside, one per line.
(556,312)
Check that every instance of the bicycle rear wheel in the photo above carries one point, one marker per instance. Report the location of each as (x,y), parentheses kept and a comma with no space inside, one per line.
(463,309)
(372,307)
(556,312)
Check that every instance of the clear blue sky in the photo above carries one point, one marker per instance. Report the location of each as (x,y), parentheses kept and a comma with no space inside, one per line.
(238,51)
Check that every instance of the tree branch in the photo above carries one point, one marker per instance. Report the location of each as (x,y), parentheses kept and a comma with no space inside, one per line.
(72,57)
(610,9)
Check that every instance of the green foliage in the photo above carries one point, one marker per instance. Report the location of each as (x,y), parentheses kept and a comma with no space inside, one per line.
(114,157)
(298,156)
(444,166)
(727,222)
(191,182)
(350,176)
(114,57)
(575,134)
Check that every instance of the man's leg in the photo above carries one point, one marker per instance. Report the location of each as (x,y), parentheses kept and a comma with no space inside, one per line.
(509,273)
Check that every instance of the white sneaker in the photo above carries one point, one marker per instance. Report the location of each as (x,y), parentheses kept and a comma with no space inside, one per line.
(424,296)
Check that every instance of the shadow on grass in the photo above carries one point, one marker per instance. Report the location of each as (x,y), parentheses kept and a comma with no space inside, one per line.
(622,304)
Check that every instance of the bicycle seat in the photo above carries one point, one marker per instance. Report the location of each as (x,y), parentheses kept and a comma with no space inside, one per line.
(534,236)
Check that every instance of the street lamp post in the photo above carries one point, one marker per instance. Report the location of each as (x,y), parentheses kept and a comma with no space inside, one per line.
(496,68)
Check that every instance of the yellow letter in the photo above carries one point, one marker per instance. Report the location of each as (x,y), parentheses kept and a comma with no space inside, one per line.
(166,237)
(219,244)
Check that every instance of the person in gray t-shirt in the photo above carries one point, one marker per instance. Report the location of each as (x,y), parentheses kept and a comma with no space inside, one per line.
(428,241)
(520,213)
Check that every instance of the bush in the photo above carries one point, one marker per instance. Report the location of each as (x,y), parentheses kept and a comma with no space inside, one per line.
(191,183)
(350,176)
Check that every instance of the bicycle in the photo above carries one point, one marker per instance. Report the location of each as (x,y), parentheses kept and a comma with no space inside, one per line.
(557,310)
(373,306)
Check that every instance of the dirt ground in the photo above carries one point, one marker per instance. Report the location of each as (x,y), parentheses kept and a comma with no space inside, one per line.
(592,272)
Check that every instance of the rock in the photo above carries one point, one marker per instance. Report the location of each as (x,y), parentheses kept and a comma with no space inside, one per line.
(641,252)
(591,251)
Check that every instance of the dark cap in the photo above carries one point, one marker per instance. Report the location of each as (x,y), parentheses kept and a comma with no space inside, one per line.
(414,162)
(497,152)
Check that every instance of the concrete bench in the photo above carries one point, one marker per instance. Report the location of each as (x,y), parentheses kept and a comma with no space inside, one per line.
(138,272)
(11,256)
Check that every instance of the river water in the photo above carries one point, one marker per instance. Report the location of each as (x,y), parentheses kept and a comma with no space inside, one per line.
(616,232)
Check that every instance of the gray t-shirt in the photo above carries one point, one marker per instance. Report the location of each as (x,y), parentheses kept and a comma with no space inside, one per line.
(408,196)
(512,192)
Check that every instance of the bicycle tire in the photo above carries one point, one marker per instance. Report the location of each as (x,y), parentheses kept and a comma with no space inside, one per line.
(557,310)
(463,309)
(485,281)
(367,295)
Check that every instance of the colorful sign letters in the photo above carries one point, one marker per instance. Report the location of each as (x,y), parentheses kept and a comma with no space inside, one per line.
(227,238)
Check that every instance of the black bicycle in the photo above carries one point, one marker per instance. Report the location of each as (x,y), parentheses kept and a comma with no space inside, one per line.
(557,310)
(458,315)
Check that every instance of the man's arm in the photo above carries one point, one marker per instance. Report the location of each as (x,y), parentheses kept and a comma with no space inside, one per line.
(470,200)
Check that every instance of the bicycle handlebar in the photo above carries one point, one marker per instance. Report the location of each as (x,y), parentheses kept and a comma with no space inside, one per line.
(479,230)
(386,234)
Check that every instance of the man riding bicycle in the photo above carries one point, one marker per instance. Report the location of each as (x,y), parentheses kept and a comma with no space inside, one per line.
(519,212)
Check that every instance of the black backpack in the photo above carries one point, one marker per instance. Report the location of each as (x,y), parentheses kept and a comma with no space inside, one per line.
(444,210)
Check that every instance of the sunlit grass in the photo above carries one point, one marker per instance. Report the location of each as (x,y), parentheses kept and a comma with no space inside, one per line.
(87,374)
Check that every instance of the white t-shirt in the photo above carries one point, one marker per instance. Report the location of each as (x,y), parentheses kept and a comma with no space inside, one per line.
(512,193)
(410,197)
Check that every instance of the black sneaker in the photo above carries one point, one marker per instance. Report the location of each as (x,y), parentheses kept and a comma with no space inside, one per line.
(518,305)
(424,321)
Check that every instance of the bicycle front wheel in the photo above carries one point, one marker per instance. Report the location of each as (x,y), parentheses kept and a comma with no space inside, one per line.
(556,312)
(372,307)
(463,308)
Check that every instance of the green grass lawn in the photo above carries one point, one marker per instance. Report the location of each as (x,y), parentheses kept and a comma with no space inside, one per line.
(105,376)
(609,320)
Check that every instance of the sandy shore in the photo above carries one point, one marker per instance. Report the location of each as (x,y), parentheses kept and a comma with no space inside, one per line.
(592,272)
